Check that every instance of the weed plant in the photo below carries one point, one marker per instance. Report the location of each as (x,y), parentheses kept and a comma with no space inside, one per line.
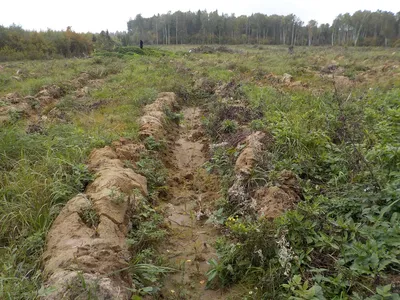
(341,242)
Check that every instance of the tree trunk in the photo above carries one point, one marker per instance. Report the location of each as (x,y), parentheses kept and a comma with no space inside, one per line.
(398,35)
(247,28)
(357,35)
(293,28)
(284,36)
(274,35)
(156,32)
(176,31)
(169,34)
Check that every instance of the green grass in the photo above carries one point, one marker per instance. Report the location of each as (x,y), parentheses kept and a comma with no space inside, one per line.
(40,172)
(344,148)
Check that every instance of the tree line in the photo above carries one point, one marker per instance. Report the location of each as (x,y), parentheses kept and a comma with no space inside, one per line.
(363,28)
(17,43)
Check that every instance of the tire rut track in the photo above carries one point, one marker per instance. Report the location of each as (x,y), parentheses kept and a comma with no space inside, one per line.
(192,191)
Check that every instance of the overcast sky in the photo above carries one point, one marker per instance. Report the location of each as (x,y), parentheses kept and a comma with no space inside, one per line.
(94,16)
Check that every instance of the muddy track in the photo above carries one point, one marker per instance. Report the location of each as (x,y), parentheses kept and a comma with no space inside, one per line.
(87,241)
(192,195)
(191,192)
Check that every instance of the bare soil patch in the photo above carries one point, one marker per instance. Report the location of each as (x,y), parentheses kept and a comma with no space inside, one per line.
(192,193)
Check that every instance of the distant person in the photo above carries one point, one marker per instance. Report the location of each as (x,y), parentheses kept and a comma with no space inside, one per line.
(291,50)
(141,44)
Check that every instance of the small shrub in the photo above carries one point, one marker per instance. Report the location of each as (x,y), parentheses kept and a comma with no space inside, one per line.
(147,278)
(222,161)
(155,172)
(79,288)
(146,96)
(90,217)
(15,115)
(147,226)
(297,290)
(117,197)
(81,176)
(34,104)
(229,126)
(258,125)
(248,256)
(146,233)
(151,144)
(173,116)
(97,60)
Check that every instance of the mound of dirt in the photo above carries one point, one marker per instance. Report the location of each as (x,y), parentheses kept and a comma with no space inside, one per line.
(237,192)
(204,84)
(128,151)
(16,110)
(245,163)
(285,79)
(57,114)
(15,106)
(87,241)
(329,69)
(224,49)
(298,85)
(49,92)
(35,128)
(247,158)
(152,122)
(343,82)
(209,50)
(78,243)
(84,85)
(229,90)
(12,98)
(238,112)
(271,202)
(233,139)
(81,80)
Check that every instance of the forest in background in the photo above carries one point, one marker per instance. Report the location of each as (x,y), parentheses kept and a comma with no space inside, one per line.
(363,28)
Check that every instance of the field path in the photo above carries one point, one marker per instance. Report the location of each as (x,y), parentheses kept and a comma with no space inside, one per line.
(189,245)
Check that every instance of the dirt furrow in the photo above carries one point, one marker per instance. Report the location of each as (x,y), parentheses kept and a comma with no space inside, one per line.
(191,191)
